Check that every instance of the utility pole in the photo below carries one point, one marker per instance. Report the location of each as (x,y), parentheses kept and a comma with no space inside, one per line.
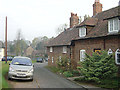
(6,40)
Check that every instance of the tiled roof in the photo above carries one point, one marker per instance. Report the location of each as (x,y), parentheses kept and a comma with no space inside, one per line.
(89,22)
(64,38)
(101,27)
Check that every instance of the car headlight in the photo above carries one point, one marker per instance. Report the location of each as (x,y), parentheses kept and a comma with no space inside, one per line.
(11,69)
(30,71)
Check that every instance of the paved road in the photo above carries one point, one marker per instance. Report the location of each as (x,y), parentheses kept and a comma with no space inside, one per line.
(43,78)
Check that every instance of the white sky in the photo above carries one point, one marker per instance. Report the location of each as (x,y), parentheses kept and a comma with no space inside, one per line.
(41,17)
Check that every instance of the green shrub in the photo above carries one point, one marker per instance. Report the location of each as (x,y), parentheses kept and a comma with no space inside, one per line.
(97,67)
(60,71)
(64,63)
(68,74)
(75,72)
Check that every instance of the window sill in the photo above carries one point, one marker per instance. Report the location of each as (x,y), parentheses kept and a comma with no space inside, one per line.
(64,52)
(112,33)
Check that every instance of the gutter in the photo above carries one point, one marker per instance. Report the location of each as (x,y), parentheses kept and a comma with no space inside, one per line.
(95,37)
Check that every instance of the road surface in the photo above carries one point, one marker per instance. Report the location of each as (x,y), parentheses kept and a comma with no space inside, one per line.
(43,78)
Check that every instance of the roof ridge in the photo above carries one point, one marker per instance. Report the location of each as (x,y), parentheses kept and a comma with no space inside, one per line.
(104,11)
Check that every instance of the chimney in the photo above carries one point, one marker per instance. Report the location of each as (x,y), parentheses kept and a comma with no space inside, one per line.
(97,7)
(74,20)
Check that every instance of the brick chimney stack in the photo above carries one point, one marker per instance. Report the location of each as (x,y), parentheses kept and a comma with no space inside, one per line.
(97,7)
(74,20)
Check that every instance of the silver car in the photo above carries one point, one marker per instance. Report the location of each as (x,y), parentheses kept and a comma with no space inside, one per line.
(21,68)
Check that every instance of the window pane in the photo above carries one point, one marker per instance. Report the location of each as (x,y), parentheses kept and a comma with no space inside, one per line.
(64,49)
(118,58)
(116,23)
(82,55)
(111,25)
(51,49)
(82,31)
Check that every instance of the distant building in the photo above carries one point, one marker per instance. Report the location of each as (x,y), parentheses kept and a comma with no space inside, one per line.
(29,51)
(2,53)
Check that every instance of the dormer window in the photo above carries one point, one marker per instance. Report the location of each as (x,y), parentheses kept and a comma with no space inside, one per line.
(82,32)
(113,25)
(51,49)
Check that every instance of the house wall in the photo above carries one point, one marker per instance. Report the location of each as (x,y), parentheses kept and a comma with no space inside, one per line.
(111,42)
(57,51)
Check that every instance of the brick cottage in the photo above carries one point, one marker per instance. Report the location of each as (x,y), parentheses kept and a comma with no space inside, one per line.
(99,32)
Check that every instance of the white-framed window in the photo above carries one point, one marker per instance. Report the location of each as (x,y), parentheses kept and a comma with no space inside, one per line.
(52,60)
(82,55)
(82,32)
(51,49)
(117,57)
(64,49)
(113,25)
(110,51)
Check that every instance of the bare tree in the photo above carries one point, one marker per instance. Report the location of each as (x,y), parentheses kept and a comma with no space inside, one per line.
(61,28)
(17,48)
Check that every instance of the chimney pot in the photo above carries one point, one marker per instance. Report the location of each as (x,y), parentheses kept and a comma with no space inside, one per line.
(74,20)
(97,0)
(97,7)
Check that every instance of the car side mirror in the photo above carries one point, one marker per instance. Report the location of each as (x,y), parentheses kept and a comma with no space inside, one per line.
(9,63)
(33,65)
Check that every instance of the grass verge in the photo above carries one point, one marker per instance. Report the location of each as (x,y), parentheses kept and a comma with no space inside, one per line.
(52,68)
(5,67)
(33,61)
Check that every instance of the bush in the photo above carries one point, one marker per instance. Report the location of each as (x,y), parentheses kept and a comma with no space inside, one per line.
(97,67)
(67,74)
(61,71)
(75,72)
(64,63)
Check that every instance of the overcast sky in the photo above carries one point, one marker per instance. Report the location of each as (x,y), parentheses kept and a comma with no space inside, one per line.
(41,17)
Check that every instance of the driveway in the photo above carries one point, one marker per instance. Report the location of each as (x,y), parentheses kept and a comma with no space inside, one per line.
(43,78)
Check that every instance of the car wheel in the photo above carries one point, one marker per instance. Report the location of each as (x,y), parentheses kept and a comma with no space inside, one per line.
(9,78)
(31,79)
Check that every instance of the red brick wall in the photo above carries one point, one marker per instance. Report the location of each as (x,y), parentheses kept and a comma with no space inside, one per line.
(57,51)
(112,42)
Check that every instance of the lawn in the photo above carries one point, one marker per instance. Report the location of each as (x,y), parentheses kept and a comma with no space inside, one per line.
(5,67)
(33,61)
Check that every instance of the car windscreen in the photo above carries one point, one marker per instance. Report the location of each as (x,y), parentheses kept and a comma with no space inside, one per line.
(21,61)
(39,59)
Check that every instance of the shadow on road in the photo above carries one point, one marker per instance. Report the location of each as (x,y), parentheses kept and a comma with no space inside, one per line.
(14,80)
